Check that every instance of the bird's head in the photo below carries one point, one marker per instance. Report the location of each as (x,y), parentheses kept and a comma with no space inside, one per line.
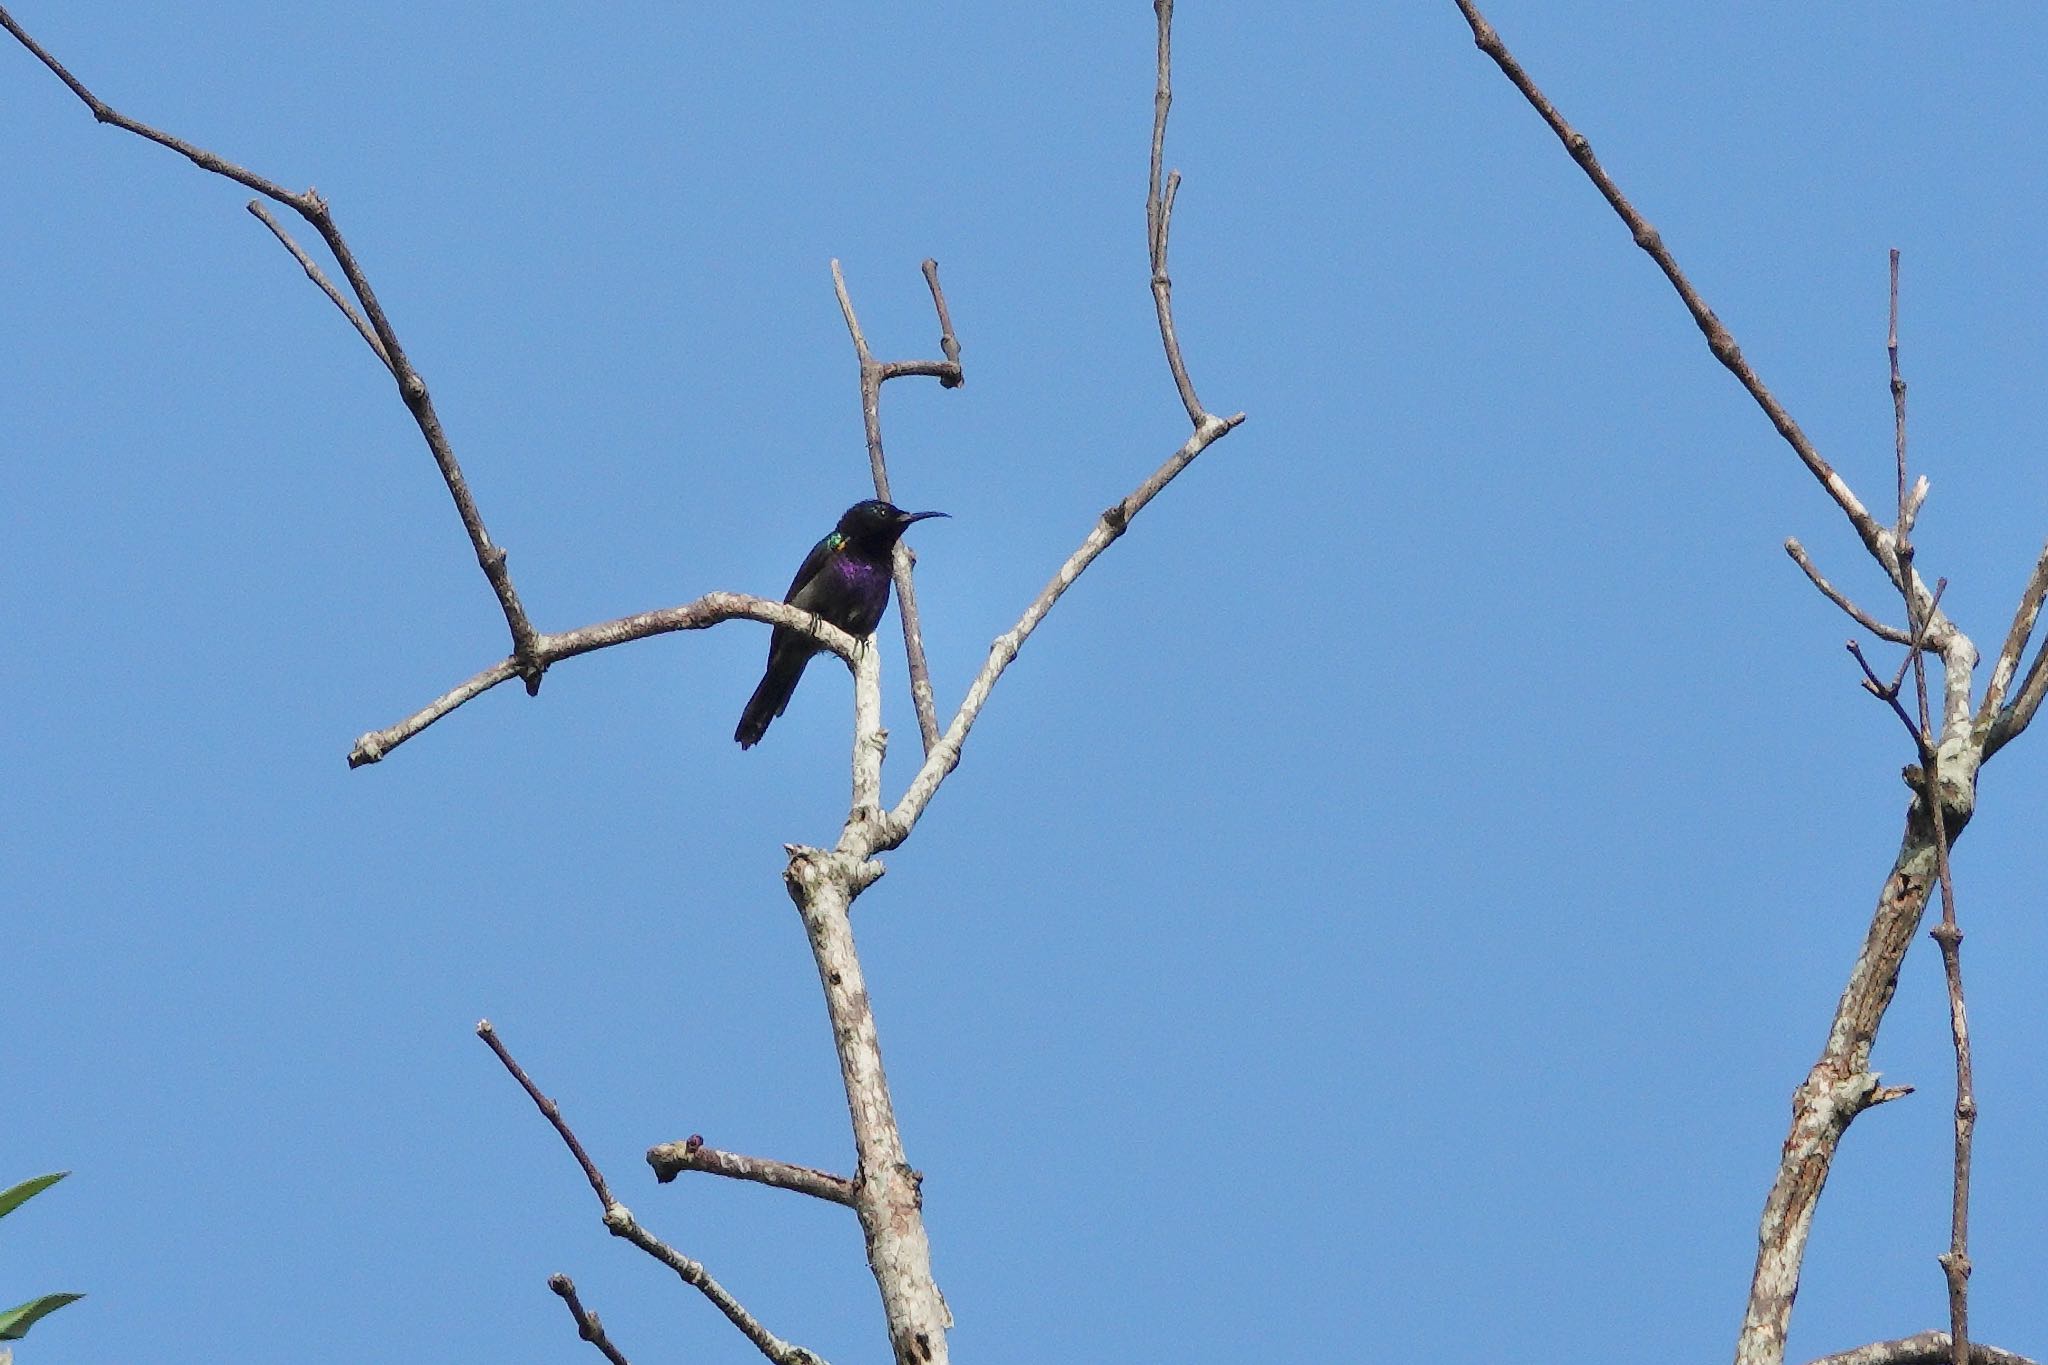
(876,526)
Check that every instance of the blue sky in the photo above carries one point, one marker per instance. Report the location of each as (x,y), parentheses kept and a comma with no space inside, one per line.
(1385,909)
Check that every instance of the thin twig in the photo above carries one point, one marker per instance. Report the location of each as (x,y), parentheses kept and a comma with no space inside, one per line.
(550,1111)
(1104,533)
(587,1325)
(1719,339)
(1889,634)
(551,649)
(411,387)
(1159,197)
(619,1221)
(874,374)
(1916,646)
(671,1159)
(1955,1262)
(1887,692)
(319,277)
(1927,1348)
(949,345)
(1904,526)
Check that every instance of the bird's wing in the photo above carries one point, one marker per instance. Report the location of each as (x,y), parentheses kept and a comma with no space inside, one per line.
(813,564)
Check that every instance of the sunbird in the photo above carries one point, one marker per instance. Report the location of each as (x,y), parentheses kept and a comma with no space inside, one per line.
(844,579)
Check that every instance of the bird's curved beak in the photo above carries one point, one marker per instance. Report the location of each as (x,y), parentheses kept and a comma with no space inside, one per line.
(909,517)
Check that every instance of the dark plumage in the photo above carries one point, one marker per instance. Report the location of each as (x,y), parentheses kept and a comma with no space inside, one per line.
(845,580)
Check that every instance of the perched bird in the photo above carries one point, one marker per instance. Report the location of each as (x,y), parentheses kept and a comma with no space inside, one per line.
(845,580)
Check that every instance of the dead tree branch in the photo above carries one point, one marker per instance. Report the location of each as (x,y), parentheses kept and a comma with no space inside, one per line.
(587,1325)
(1955,1262)
(619,1221)
(671,1159)
(1889,634)
(1952,745)
(412,389)
(873,374)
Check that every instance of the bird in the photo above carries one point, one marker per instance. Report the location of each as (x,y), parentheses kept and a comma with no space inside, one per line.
(845,580)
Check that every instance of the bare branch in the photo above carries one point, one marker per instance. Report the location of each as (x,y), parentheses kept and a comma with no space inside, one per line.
(944,756)
(319,277)
(1108,527)
(411,387)
(587,1325)
(1908,505)
(1955,1262)
(671,1159)
(1890,634)
(549,1111)
(1874,536)
(1159,197)
(708,610)
(949,345)
(1888,692)
(619,1221)
(1928,1348)
(1840,1085)
(873,374)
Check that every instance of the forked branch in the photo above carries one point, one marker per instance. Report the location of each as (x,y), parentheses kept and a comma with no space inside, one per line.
(873,374)
(1951,748)
(619,1221)
(380,335)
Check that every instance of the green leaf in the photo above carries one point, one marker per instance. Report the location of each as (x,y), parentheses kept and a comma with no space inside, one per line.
(10,1200)
(15,1322)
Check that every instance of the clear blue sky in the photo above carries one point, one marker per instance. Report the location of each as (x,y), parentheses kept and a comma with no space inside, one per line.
(1385,910)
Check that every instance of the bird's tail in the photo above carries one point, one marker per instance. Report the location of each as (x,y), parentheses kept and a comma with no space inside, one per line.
(769,699)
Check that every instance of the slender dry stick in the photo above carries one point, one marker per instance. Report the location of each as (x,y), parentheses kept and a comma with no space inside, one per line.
(1889,693)
(671,1159)
(1955,1262)
(587,1325)
(1890,634)
(1891,346)
(874,374)
(411,387)
(550,649)
(941,759)
(1105,532)
(1926,1348)
(1159,197)
(1719,340)
(319,277)
(619,1221)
